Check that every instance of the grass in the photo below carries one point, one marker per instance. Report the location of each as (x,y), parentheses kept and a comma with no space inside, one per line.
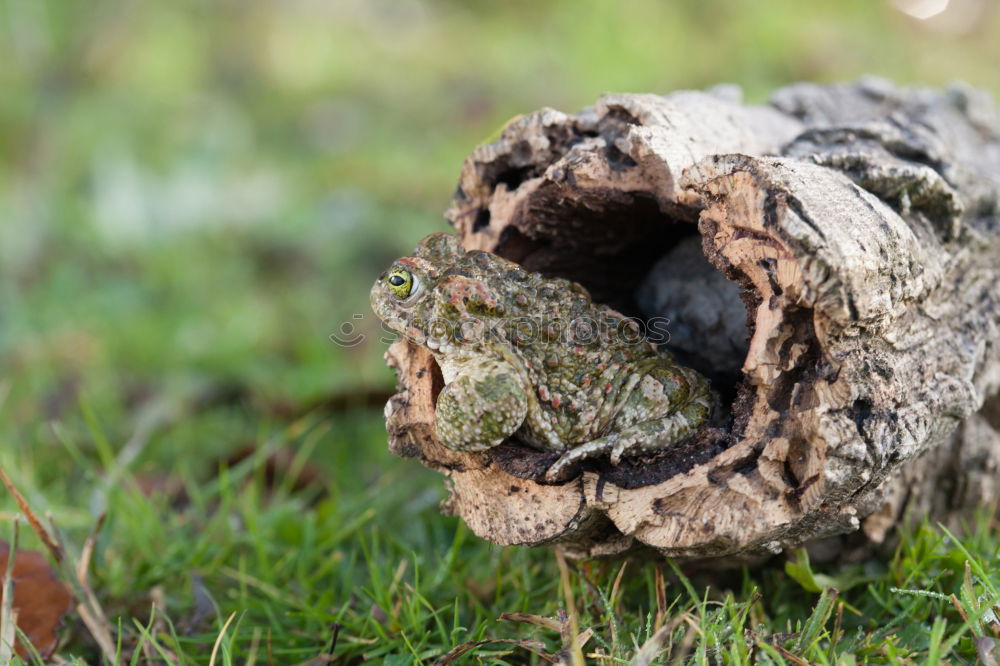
(194,196)
(369,560)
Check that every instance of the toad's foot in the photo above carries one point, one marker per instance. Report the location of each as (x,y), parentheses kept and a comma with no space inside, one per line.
(644,437)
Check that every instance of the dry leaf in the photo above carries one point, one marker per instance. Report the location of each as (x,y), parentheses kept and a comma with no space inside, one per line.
(41,600)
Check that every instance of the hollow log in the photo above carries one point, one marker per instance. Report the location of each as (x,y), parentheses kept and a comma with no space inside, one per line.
(830,260)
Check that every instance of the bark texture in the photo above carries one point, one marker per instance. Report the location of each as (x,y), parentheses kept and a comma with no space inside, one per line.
(859,227)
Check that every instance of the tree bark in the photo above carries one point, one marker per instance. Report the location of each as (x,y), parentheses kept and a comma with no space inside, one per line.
(859,227)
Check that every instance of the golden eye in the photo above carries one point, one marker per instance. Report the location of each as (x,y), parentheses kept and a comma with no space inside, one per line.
(400,282)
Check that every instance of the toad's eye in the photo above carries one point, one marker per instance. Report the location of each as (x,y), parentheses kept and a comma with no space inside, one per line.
(400,282)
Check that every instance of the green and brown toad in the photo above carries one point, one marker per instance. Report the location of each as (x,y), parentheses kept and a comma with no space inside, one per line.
(526,355)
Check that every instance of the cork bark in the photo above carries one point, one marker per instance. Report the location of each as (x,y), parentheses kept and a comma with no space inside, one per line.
(830,260)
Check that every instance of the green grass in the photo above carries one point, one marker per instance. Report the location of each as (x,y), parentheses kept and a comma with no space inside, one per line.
(369,553)
(194,196)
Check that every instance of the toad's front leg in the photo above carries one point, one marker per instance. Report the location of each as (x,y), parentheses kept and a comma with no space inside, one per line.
(481,407)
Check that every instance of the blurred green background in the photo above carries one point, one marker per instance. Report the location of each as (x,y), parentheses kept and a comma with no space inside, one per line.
(203,191)
(195,195)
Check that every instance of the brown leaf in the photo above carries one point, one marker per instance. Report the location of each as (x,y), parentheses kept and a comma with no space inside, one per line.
(36,524)
(40,599)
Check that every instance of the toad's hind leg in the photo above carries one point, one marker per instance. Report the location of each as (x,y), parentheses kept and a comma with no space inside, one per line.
(643,437)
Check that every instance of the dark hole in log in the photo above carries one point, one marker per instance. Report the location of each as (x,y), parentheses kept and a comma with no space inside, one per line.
(860,411)
(644,263)
(649,265)
(606,240)
(788,474)
(617,159)
(482,220)
(514,177)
